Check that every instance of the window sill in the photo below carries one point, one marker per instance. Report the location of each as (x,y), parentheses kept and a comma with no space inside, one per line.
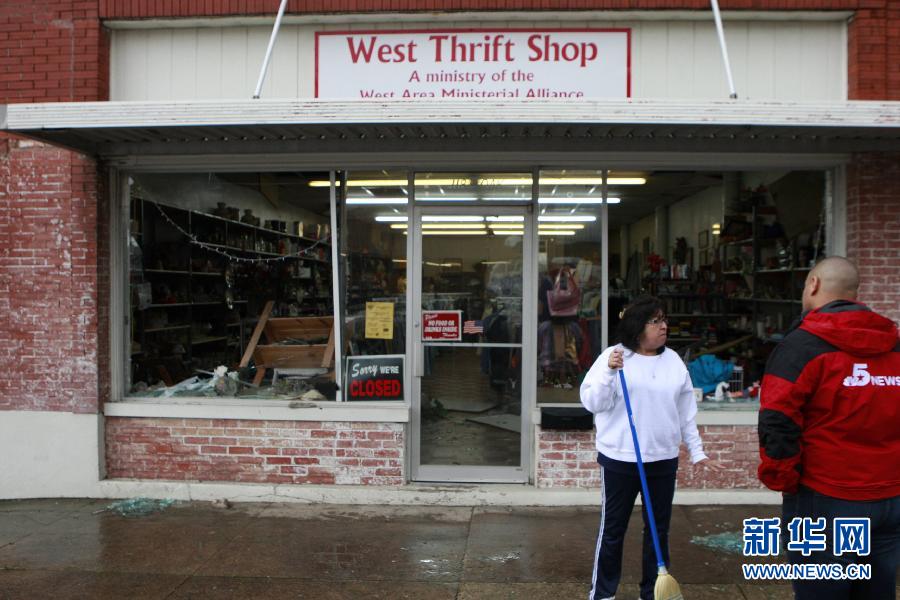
(708,413)
(265,410)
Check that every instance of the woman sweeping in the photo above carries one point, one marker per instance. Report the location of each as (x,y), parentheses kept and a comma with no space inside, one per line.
(662,401)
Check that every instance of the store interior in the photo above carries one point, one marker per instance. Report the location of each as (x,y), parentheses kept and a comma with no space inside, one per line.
(213,255)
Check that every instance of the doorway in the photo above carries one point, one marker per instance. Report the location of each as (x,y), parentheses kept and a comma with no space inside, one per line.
(470,402)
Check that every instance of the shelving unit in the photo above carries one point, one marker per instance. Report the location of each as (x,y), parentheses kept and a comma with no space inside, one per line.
(761,280)
(188,324)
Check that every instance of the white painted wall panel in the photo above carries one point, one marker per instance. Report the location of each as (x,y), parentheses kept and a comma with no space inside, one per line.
(49,454)
(771,60)
(184,63)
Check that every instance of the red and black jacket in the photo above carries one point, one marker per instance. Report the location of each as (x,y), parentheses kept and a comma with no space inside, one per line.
(830,406)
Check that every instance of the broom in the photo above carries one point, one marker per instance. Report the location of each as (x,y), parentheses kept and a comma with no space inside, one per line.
(666,587)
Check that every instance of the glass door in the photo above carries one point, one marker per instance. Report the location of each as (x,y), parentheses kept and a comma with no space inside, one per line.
(469,409)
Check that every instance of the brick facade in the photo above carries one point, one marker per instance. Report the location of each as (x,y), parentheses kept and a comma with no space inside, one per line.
(568,459)
(873,229)
(142,9)
(48,279)
(255,451)
(49,52)
(53,52)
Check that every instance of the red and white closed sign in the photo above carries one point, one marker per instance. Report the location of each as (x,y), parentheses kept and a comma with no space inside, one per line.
(442,325)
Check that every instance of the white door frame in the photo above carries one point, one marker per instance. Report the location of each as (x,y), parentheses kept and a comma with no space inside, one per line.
(473,473)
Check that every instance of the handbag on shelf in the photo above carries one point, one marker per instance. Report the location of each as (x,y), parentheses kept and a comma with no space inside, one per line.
(564,298)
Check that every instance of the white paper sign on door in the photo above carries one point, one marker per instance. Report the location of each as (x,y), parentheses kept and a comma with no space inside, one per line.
(474,63)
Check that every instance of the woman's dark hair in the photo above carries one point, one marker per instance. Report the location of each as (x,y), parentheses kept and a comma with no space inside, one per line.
(634,318)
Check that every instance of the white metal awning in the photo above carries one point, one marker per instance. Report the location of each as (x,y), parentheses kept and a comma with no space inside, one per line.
(313,126)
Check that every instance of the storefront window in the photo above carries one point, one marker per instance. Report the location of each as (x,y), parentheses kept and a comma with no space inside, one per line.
(727,254)
(373,249)
(570,233)
(231,293)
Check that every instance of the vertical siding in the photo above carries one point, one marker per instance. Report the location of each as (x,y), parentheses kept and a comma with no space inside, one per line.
(670,59)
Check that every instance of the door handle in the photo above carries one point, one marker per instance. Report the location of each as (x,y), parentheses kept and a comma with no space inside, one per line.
(419,354)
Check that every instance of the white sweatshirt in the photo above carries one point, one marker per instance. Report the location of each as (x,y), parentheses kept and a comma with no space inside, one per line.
(662,402)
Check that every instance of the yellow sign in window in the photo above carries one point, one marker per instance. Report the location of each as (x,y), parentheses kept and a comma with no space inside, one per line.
(379,320)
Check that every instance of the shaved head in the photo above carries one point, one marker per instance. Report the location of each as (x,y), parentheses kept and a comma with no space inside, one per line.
(834,278)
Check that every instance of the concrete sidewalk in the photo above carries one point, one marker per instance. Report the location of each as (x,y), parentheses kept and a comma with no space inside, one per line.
(76,549)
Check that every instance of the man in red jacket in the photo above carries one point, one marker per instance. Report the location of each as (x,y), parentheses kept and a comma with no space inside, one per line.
(829,433)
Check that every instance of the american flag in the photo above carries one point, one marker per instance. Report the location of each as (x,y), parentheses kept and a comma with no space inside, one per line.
(473,327)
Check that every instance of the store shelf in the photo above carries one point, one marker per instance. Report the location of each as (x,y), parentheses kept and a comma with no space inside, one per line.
(172,328)
(777,301)
(208,340)
(225,236)
(773,270)
(166,272)
(249,226)
(743,242)
(734,273)
(176,272)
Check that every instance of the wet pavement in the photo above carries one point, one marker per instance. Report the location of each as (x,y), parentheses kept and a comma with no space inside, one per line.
(77,549)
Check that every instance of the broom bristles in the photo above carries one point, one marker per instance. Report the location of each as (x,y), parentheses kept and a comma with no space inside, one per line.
(666,588)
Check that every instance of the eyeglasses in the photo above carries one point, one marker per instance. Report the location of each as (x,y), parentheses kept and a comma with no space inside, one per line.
(658,321)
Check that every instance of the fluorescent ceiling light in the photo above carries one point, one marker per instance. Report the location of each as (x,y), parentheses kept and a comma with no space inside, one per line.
(591,181)
(541,227)
(506,218)
(377,201)
(557,232)
(578,200)
(560,226)
(452,219)
(390,219)
(441,226)
(448,199)
(454,232)
(361,183)
(567,218)
(474,199)
(483,181)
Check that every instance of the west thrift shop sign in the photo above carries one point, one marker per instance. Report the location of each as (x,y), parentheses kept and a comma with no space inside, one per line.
(474,63)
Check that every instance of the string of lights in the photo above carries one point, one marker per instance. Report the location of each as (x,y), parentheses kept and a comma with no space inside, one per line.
(240,259)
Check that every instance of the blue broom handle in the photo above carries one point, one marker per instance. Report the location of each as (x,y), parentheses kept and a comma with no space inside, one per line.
(640,465)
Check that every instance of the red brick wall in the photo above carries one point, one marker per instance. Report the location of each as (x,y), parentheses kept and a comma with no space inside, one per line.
(568,459)
(873,229)
(873,47)
(52,52)
(126,9)
(49,52)
(255,451)
(48,279)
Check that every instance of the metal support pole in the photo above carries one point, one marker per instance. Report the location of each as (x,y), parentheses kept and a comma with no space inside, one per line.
(604,263)
(721,32)
(272,38)
(336,298)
